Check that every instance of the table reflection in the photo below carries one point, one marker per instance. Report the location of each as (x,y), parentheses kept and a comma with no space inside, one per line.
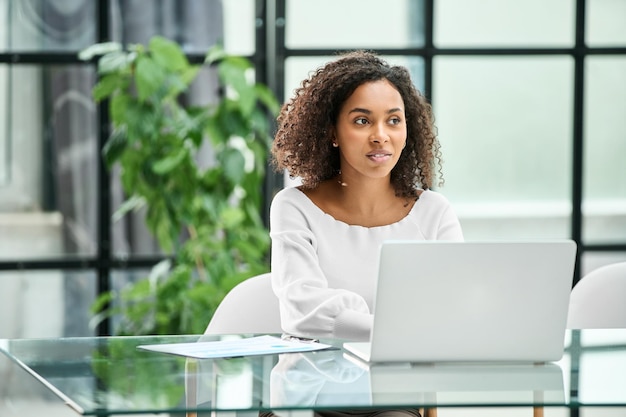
(599,361)
(329,379)
(318,379)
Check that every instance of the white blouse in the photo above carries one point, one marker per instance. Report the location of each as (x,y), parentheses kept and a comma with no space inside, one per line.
(324,270)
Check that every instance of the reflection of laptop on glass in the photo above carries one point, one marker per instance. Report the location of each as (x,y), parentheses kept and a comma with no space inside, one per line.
(470,384)
(470,301)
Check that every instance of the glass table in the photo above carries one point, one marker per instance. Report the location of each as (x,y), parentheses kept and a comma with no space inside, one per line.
(105,376)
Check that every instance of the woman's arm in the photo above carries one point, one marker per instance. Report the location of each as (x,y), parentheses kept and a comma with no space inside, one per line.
(308,306)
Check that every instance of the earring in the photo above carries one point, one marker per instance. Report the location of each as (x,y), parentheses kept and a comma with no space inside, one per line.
(335,145)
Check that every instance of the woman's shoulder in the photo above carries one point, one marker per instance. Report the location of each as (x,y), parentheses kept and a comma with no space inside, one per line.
(433,197)
(288,194)
(290,199)
(291,208)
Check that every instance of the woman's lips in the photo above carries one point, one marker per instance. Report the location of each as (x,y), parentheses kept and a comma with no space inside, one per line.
(379,156)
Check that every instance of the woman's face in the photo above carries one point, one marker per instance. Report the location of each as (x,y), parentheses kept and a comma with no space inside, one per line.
(371,130)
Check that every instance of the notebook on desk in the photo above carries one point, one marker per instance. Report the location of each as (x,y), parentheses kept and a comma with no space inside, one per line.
(470,301)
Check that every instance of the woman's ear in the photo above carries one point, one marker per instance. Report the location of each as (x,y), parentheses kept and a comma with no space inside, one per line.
(333,138)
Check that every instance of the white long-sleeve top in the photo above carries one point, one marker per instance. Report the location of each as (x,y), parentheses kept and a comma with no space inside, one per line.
(324,270)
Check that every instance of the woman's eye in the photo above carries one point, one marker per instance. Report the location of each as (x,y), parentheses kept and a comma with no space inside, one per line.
(361,121)
(395,121)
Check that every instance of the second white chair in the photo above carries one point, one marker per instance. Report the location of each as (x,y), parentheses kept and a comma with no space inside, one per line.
(598,300)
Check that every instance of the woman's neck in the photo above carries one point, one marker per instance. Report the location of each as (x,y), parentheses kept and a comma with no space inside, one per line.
(365,203)
(366,197)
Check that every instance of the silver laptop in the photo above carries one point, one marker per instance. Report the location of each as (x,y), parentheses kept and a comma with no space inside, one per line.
(470,301)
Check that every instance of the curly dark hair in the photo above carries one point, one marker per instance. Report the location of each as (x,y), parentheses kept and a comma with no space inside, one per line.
(303,141)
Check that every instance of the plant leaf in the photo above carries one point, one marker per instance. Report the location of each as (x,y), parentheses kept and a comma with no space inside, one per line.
(231,120)
(233,163)
(215,53)
(216,135)
(266,96)
(149,77)
(107,86)
(102,301)
(167,164)
(189,74)
(99,49)
(232,73)
(113,62)
(159,271)
(114,147)
(168,54)
(119,109)
(232,217)
(135,202)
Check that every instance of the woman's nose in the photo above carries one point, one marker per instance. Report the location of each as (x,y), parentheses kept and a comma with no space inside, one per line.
(379,135)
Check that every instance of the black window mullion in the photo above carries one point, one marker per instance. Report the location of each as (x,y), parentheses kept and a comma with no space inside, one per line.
(103,231)
(577,135)
(577,169)
(429,47)
(274,54)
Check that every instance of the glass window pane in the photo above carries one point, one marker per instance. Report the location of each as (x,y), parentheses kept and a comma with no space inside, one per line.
(47,303)
(196,25)
(48,204)
(594,260)
(606,23)
(5,135)
(239,27)
(604,205)
(505,128)
(354,24)
(504,23)
(47,25)
(22,139)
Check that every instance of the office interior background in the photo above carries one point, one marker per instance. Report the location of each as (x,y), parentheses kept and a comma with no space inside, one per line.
(529,99)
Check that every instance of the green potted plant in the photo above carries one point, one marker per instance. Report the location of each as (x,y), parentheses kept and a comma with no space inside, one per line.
(208,219)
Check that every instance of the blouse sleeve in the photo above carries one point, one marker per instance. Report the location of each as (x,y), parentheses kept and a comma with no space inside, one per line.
(437,219)
(449,225)
(308,307)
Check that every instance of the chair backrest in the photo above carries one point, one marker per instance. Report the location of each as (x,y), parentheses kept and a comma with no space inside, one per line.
(598,300)
(250,307)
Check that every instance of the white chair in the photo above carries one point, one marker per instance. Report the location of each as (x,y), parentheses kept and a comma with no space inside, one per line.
(598,300)
(250,307)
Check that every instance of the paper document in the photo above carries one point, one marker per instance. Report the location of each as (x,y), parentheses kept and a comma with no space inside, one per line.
(259,345)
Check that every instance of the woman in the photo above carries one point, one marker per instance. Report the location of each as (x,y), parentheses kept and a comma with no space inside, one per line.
(361,139)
